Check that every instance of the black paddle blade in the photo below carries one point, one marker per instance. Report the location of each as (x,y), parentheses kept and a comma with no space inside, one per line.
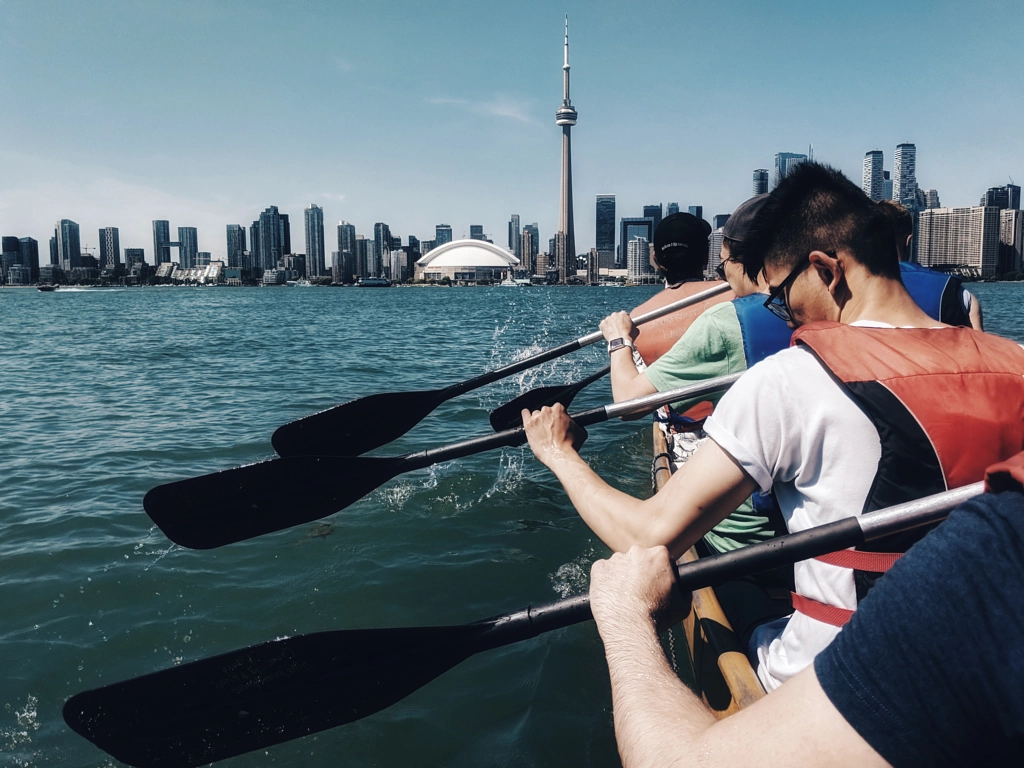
(358,426)
(250,699)
(237,504)
(510,415)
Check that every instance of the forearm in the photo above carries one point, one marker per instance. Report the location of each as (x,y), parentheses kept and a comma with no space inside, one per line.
(658,721)
(627,382)
(977,321)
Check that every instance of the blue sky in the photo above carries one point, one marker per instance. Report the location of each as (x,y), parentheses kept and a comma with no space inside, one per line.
(114,113)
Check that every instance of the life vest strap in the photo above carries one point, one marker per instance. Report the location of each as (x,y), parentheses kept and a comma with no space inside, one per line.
(827,614)
(871,562)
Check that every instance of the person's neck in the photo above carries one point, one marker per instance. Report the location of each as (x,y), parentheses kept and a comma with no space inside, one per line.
(882,300)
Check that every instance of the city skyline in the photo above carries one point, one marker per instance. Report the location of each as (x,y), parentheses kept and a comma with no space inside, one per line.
(480,144)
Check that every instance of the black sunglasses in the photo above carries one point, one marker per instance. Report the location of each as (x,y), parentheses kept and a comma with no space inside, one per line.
(720,269)
(778,298)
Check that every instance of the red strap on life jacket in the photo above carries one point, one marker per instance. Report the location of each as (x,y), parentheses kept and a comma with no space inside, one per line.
(827,614)
(872,562)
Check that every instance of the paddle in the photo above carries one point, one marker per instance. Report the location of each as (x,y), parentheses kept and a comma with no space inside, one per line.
(253,698)
(510,415)
(237,504)
(358,426)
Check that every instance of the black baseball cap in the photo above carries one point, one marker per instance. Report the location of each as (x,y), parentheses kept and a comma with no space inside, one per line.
(681,235)
(738,227)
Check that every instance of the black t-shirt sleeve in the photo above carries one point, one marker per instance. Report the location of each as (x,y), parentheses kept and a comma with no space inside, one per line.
(930,670)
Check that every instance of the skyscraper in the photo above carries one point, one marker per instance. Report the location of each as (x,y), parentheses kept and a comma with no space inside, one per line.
(346,238)
(188,247)
(931,199)
(28,248)
(694,210)
(381,250)
(527,246)
(364,255)
(671,208)
(514,240)
(784,163)
(476,232)
(236,244)
(315,266)
(110,248)
(565,239)
(904,171)
(1002,197)
(760,181)
(442,234)
(871,178)
(719,219)
(632,228)
(1011,240)
(133,256)
(638,263)
(965,237)
(69,247)
(886,186)
(604,236)
(534,251)
(161,242)
(653,212)
(272,238)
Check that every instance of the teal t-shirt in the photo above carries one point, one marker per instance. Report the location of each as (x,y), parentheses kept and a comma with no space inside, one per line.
(712,346)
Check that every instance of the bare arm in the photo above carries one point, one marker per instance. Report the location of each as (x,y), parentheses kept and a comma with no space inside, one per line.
(660,722)
(709,487)
(627,382)
(977,322)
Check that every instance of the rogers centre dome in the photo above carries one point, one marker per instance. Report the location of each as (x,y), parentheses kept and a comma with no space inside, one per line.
(467,261)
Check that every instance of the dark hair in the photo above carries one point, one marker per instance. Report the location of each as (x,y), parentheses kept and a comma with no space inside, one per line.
(902,224)
(816,208)
(677,264)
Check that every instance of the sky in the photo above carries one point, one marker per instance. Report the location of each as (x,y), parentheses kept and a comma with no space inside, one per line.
(118,112)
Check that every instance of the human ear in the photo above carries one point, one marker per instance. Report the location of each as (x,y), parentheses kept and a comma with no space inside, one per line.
(829,269)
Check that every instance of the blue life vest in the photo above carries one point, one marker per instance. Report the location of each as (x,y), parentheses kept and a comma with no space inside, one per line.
(938,294)
(764,334)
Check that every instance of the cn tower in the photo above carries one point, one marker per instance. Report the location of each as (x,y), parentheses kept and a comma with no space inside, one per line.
(565,239)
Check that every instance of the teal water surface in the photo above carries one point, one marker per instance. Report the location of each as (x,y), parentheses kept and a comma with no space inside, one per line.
(109,392)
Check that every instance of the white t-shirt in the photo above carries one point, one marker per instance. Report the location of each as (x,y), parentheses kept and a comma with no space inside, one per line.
(792,427)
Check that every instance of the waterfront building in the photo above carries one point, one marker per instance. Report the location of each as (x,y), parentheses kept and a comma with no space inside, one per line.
(534,252)
(381,250)
(68,245)
(442,234)
(718,220)
(133,256)
(1011,247)
(527,247)
(964,238)
(904,171)
(314,219)
(476,232)
(671,208)
(604,235)
(272,238)
(188,247)
(364,255)
(638,260)
(236,245)
(931,199)
(871,179)
(694,210)
(886,186)
(467,262)
(54,259)
(426,246)
(10,261)
(784,163)
(1002,197)
(28,251)
(514,234)
(161,242)
(631,228)
(654,212)
(110,248)
(714,253)
(565,116)
(203,259)
(760,181)
(347,244)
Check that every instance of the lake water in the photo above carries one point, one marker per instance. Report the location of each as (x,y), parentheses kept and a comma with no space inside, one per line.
(109,392)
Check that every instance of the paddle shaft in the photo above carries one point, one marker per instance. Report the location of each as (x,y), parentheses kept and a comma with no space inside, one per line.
(718,569)
(571,346)
(517,436)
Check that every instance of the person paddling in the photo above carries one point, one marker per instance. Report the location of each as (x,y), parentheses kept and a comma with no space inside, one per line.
(873,404)
(679,254)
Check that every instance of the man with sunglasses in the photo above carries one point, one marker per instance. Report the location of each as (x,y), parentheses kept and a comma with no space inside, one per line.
(874,404)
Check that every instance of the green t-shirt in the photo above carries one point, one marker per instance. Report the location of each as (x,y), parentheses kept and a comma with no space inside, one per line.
(711,347)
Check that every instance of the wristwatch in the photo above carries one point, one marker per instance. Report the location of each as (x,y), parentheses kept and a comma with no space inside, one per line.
(619,343)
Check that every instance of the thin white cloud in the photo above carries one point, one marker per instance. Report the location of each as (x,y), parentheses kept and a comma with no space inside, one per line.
(500,106)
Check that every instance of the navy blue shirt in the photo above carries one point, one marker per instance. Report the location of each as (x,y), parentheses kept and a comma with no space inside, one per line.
(930,670)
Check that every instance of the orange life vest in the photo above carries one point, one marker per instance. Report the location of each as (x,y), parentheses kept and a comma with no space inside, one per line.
(657,337)
(947,403)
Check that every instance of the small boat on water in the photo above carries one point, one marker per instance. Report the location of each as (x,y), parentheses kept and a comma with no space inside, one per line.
(47,288)
(722,674)
(373,282)
(299,283)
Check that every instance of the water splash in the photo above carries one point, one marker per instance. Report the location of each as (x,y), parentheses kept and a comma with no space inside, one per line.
(572,578)
(26,723)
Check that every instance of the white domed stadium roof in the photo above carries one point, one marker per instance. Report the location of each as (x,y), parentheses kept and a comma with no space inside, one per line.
(469,253)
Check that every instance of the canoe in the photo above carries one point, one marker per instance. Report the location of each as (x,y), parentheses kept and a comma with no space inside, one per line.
(722,675)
